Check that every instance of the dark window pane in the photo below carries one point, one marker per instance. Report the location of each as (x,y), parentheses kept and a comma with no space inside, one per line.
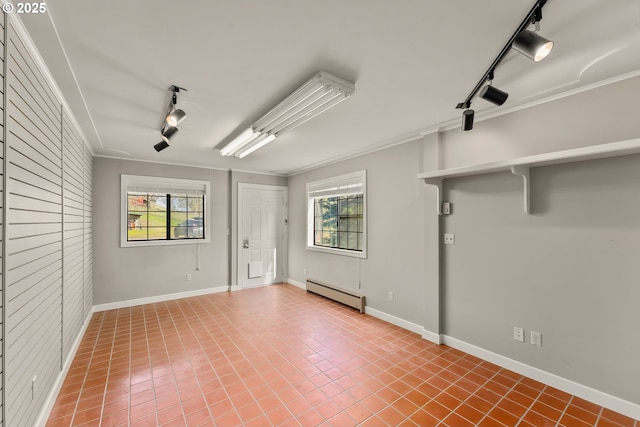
(147,216)
(338,222)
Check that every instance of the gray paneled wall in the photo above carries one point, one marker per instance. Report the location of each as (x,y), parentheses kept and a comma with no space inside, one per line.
(88,233)
(47,265)
(1,218)
(33,275)
(73,246)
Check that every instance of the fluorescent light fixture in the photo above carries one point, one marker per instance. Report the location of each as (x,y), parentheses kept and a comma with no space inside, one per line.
(239,142)
(532,45)
(318,94)
(175,117)
(259,143)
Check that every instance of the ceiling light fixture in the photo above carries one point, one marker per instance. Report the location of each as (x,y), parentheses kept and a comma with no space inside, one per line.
(527,42)
(172,119)
(318,94)
(169,133)
(532,45)
(493,94)
(161,146)
(176,117)
(467,119)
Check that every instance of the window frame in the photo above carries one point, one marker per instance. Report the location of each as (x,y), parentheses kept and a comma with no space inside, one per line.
(360,177)
(170,185)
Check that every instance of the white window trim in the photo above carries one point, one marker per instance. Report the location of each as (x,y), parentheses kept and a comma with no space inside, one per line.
(315,185)
(127,180)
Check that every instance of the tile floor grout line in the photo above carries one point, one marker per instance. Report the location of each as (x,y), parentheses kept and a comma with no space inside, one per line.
(86,373)
(164,341)
(486,382)
(184,415)
(566,406)
(277,343)
(529,408)
(106,386)
(599,415)
(146,336)
(212,369)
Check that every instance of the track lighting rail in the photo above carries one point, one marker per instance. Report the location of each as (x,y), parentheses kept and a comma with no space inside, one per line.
(534,16)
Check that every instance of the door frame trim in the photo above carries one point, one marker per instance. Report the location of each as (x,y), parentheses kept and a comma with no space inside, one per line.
(285,227)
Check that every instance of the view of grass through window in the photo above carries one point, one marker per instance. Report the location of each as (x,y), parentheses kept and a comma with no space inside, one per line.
(154,216)
(339,222)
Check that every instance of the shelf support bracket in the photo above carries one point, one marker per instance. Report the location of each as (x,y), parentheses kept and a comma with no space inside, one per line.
(523,171)
(437,182)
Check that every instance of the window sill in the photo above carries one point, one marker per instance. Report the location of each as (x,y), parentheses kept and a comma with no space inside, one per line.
(343,252)
(146,243)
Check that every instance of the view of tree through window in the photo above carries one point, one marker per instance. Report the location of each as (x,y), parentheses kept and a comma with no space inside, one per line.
(339,222)
(154,216)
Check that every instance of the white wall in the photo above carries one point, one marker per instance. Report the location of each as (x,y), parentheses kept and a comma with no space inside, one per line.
(46,227)
(122,274)
(605,114)
(568,270)
(395,243)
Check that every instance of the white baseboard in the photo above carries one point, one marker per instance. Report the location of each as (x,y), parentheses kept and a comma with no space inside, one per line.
(432,336)
(394,320)
(296,283)
(158,298)
(43,416)
(587,393)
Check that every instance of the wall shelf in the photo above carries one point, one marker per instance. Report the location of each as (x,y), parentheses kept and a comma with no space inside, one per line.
(521,165)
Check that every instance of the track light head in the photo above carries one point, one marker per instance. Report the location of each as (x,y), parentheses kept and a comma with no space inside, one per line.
(161,146)
(493,95)
(172,119)
(467,119)
(176,117)
(169,133)
(532,45)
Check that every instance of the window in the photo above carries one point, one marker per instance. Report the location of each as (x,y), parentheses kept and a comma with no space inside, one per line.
(160,211)
(337,215)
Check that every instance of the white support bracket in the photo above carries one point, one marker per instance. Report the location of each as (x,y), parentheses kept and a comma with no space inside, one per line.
(437,182)
(523,171)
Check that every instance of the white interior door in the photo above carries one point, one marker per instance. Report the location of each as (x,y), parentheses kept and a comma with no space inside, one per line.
(261,235)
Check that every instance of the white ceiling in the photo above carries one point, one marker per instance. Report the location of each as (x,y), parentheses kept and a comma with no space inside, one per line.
(412,61)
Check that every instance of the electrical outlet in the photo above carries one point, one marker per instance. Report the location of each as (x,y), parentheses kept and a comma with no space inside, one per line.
(446,208)
(390,296)
(518,334)
(33,386)
(304,271)
(449,239)
(188,277)
(536,338)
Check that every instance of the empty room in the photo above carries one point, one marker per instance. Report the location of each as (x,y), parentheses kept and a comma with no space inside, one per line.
(320,213)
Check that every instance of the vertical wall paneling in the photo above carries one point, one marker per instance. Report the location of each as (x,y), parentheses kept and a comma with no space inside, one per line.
(2,225)
(33,248)
(88,233)
(73,160)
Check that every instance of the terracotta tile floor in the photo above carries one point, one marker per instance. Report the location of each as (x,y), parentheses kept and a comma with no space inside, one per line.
(279,356)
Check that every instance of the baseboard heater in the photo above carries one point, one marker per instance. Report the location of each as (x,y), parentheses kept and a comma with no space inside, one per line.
(343,296)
